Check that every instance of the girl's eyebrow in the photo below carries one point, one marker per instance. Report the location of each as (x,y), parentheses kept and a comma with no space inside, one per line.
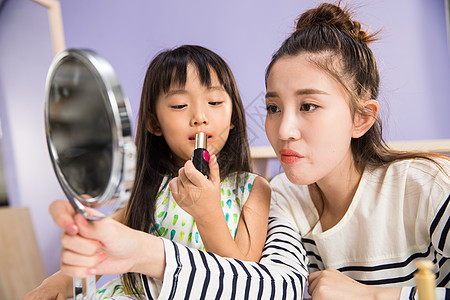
(183,91)
(175,92)
(299,92)
(217,87)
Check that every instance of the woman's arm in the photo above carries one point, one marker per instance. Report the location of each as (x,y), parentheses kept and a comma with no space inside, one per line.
(440,239)
(281,273)
(332,284)
(59,286)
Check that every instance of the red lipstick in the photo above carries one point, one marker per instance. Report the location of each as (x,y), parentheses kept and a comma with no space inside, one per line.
(200,156)
(289,156)
(192,137)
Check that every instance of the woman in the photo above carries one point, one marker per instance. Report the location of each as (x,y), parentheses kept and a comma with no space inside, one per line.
(365,213)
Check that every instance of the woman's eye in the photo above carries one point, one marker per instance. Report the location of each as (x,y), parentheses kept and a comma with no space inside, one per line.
(178,106)
(308,107)
(271,109)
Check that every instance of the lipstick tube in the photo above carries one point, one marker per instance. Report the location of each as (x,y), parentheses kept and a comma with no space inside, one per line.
(425,280)
(200,156)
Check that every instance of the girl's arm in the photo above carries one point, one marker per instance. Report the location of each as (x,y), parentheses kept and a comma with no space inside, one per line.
(55,287)
(58,287)
(119,215)
(252,227)
(200,197)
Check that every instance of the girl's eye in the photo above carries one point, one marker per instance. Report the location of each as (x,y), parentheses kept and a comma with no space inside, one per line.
(178,106)
(271,109)
(214,103)
(308,107)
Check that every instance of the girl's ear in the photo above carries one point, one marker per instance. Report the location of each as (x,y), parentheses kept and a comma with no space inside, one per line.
(363,122)
(153,125)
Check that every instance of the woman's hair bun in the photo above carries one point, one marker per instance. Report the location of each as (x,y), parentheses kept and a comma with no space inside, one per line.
(331,15)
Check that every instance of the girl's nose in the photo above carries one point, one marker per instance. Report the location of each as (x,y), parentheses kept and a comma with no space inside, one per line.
(289,128)
(199,117)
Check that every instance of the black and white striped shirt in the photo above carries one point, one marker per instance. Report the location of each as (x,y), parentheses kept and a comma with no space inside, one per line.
(400,213)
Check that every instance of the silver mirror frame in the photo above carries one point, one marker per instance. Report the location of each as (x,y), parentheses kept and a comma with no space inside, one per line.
(121,177)
(119,115)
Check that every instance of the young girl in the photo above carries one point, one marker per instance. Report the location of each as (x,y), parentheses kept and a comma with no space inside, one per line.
(188,90)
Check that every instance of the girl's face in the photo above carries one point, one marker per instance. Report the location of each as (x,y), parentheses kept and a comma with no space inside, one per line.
(309,123)
(182,112)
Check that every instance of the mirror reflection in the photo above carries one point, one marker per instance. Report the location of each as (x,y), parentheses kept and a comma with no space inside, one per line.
(81,133)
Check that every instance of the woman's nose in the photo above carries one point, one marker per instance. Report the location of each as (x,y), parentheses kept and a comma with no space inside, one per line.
(289,128)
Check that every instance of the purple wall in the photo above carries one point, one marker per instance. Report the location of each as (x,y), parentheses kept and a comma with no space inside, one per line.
(413,57)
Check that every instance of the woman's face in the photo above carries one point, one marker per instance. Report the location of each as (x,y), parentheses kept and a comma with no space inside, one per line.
(309,123)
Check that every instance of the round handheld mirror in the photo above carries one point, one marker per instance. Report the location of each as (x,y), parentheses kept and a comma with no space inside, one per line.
(87,122)
(88,132)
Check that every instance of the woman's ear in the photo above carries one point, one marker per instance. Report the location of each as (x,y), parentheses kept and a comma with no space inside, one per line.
(153,125)
(364,121)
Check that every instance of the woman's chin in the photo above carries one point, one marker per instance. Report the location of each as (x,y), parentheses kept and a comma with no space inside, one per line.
(297,178)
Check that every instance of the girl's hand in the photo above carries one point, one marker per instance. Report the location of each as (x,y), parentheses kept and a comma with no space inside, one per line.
(332,284)
(105,246)
(196,194)
(50,289)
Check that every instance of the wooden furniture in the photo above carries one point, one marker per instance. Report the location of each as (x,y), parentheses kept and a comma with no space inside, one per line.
(21,266)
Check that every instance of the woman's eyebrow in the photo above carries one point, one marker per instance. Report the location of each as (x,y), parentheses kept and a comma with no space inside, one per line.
(271,95)
(299,92)
(310,92)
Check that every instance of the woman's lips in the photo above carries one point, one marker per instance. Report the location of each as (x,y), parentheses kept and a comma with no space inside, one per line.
(289,156)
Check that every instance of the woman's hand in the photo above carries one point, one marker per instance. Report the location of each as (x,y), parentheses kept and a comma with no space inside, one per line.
(105,246)
(332,284)
(197,195)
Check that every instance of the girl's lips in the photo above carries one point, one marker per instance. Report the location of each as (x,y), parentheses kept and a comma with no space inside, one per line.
(289,156)
(192,137)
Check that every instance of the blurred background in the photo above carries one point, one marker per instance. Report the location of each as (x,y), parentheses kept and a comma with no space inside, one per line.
(413,57)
